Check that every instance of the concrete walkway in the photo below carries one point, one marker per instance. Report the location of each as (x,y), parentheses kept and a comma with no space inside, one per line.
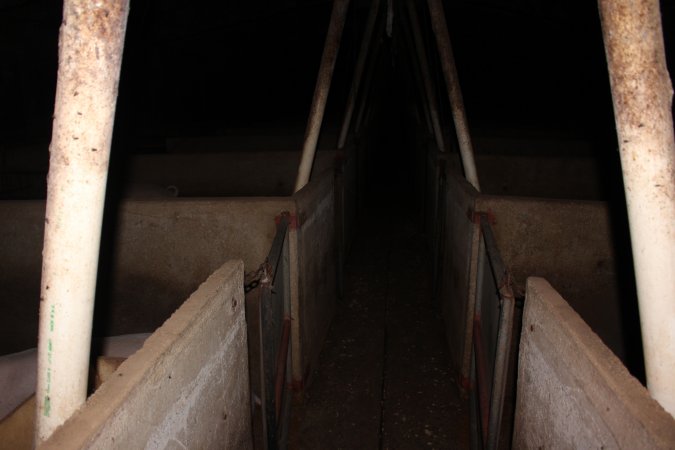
(383,380)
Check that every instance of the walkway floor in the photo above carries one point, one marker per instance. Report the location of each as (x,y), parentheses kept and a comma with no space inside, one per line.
(383,380)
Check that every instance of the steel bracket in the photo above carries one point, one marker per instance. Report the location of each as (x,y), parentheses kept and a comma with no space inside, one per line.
(474,216)
(294,222)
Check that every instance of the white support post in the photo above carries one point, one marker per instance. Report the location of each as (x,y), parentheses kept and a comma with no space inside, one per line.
(426,75)
(367,83)
(358,72)
(440,28)
(90,55)
(323,81)
(642,95)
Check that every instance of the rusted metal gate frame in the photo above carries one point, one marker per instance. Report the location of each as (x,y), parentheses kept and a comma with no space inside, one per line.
(488,389)
(269,325)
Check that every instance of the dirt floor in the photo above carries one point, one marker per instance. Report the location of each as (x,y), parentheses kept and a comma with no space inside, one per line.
(383,379)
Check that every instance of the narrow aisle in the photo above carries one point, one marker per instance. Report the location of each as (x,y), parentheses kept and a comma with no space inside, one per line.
(383,378)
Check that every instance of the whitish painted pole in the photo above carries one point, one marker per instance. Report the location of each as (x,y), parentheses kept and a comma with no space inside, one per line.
(426,75)
(440,28)
(408,52)
(358,73)
(642,95)
(330,52)
(368,82)
(90,55)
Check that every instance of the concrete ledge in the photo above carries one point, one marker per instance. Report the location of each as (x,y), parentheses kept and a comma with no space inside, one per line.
(539,176)
(186,388)
(572,391)
(573,245)
(234,173)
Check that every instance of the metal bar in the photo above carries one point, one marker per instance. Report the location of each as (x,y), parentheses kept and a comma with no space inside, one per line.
(256,368)
(370,71)
(472,299)
(284,420)
(500,372)
(498,268)
(426,74)
(276,249)
(323,82)
(282,359)
(440,28)
(481,378)
(91,44)
(358,72)
(475,433)
(416,74)
(642,94)
(479,358)
(274,328)
(504,333)
(272,325)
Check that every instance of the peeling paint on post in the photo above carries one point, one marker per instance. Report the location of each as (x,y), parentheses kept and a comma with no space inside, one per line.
(642,95)
(90,55)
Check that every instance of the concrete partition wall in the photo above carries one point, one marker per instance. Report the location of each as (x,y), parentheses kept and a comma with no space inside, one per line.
(21,236)
(233,173)
(152,260)
(164,248)
(158,252)
(313,254)
(456,243)
(187,387)
(566,176)
(569,243)
(572,391)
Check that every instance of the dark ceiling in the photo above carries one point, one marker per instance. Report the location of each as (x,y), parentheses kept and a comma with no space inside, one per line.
(203,68)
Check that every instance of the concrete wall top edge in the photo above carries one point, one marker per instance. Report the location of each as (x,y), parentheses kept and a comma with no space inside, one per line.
(316,188)
(594,399)
(514,199)
(466,187)
(135,376)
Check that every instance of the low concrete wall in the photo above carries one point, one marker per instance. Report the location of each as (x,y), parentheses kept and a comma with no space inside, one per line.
(572,391)
(456,242)
(153,258)
(565,176)
(569,243)
(235,173)
(157,251)
(186,388)
(313,293)
(254,139)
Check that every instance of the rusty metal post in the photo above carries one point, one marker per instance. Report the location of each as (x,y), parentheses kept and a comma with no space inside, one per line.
(440,28)
(358,72)
(90,56)
(426,75)
(330,52)
(642,95)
